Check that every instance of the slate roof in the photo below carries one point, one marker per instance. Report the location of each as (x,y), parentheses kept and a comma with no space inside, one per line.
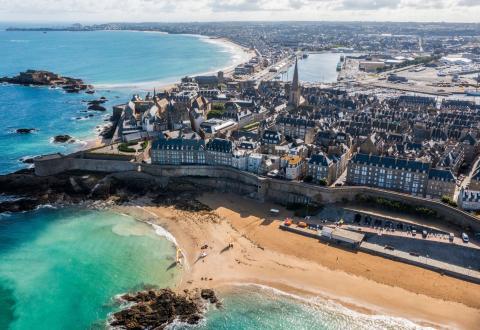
(320,159)
(288,120)
(390,162)
(220,145)
(441,175)
(178,144)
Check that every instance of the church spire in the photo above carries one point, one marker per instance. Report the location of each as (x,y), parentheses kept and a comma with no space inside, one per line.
(295,84)
(294,99)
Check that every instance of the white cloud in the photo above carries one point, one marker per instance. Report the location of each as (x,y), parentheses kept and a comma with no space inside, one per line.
(221,10)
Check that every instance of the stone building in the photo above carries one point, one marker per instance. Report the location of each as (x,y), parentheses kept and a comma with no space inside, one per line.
(178,151)
(390,173)
(440,183)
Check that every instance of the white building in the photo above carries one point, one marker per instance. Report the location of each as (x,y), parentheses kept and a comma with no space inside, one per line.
(254,162)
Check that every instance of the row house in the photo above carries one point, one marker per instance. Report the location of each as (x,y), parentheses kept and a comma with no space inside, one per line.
(440,183)
(391,173)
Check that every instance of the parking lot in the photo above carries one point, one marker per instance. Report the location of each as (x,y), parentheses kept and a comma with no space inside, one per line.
(455,254)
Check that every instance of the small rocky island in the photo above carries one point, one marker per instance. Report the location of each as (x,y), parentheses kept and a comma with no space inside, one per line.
(47,78)
(157,309)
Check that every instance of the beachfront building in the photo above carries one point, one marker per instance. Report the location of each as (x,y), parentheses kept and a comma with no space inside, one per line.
(178,151)
(254,162)
(320,167)
(294,167)
(219,152)
(408,176)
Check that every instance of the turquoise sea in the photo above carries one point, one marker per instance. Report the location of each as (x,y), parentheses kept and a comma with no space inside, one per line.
(117,63)
(62,268)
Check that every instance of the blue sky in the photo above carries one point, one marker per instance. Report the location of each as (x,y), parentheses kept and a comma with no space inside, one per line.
(222,10)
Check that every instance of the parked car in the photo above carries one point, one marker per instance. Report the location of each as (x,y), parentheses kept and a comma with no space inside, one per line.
(465,238)
(424,234)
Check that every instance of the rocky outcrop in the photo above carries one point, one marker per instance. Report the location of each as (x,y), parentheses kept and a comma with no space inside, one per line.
(97,107)
(19,205)
(62,138)
(24,130)
(77,187)
(47,78)
(158,309)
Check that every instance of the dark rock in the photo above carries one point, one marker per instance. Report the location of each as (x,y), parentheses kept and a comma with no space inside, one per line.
(25,130)
(100,101)
(209,294)
(61,138)
(157,309)
(27,160)
(19,205)
(97,107)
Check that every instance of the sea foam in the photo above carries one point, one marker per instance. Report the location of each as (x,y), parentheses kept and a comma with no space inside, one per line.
(320,304)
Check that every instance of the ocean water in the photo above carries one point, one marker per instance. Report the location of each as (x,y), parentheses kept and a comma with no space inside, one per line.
(117,63)
(61,269)
(258,307)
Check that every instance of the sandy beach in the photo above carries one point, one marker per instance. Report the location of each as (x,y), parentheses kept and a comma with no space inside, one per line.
(263,254)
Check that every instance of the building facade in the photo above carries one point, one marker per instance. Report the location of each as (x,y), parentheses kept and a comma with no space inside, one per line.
(391,173)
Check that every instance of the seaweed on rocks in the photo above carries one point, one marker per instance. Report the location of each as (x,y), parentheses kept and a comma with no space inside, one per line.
(156,309)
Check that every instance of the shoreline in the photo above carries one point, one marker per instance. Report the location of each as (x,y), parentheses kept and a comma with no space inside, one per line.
(251,263)
(239,55)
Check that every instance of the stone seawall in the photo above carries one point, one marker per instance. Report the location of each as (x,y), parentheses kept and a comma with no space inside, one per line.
(230,179)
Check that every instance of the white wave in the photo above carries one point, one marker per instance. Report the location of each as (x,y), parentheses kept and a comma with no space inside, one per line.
(160,231)
(361,319)
(184,325)
(5,215)
(46,206)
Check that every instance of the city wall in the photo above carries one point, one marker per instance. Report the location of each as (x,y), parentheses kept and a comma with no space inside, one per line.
(228,179)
